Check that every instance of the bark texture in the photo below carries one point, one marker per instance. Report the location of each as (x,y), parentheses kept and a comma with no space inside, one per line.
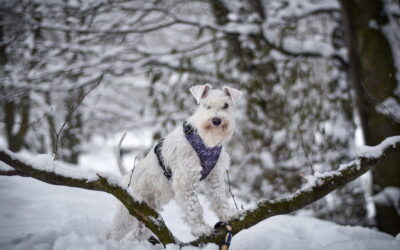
(373,75)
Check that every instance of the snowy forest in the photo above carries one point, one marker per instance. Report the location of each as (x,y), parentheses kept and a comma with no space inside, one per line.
(321,88)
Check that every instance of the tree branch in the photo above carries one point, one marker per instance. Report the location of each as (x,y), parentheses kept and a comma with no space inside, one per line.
(304,53)
(10,172)
(318,11)
(139,209)
(319,186)
(69,116)
(323,185)
(192,70)
(109,31)
(249,29)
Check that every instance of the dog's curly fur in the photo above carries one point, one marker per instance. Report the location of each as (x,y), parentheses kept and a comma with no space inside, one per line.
(150,184)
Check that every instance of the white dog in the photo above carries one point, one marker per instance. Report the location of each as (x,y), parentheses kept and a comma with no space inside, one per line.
(177,164)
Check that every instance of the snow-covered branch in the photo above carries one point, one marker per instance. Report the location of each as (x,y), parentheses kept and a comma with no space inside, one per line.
(317,187)
(192,70)
(109,31)
(307,53)
(313,12)
(46,170)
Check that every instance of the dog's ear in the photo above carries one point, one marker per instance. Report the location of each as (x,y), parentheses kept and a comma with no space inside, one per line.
(233,93)
(200,91)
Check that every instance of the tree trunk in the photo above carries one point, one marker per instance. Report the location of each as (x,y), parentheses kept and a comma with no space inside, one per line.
(373,76)
(15,139)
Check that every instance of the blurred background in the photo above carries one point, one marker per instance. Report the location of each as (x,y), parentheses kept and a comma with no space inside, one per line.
(320,78)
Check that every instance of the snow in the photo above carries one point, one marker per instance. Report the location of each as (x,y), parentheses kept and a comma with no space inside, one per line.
(243,29)
(316,179)
(297,232)
(46,162)
(376,151)
(35,215)
(293,45)
(389,196)
(5,167)
(267,159)
(390,107)
(56,217)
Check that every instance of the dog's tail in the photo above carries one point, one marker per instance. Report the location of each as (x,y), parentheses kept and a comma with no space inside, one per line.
(118,155)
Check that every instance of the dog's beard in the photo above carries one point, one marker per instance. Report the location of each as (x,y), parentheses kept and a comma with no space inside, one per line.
(215,135)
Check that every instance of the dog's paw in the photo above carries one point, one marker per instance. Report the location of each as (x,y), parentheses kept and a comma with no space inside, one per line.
(229,214)
(202,230)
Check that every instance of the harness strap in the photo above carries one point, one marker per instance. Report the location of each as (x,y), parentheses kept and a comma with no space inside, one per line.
(224,245)
(187,128)
(160,158)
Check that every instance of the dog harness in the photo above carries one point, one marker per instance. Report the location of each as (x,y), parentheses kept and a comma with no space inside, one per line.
(208,156)
(226,242)
(157,151)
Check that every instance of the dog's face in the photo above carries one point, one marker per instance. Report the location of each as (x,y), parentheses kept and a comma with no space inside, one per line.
(214,118)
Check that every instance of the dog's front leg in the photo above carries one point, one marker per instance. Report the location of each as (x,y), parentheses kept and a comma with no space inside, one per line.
(185,186)
(216,189)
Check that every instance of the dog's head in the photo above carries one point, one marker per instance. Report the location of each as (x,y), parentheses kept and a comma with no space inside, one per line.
(214,118)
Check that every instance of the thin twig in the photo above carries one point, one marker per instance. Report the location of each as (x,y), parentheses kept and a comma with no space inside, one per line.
(305,151)
(392,117)
(230,190)
(69,115)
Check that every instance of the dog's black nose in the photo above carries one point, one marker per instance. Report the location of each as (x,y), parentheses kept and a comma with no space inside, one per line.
(216,121)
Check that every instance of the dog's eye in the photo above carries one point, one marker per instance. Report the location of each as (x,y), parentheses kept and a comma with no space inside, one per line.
(225,106)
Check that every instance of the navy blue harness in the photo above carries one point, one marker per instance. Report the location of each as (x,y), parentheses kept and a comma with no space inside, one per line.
(208,156)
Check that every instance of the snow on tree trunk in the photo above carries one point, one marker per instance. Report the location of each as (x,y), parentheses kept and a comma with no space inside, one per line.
(373,76)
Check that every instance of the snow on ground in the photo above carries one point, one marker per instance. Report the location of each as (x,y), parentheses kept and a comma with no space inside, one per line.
(35,215)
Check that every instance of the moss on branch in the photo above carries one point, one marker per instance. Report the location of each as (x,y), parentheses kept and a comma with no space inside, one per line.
(323,185)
